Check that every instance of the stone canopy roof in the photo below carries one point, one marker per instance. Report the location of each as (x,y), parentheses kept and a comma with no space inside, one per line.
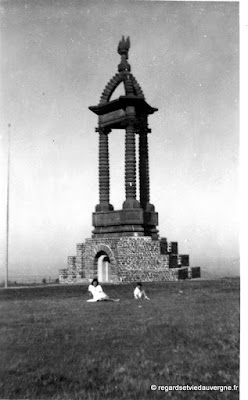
(131,86)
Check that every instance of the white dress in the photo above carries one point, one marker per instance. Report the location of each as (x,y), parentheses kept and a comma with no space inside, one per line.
(97,293)
(137,293)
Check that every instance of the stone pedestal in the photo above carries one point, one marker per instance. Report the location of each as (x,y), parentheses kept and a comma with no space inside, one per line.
(130,259)
(127,222)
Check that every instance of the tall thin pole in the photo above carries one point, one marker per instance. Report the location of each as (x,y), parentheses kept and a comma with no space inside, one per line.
(7,222)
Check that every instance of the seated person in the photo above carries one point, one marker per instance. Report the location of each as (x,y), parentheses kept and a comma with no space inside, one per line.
(98,294)
(139,293)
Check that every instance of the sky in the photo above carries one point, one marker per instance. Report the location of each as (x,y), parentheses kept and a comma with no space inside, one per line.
(56,58)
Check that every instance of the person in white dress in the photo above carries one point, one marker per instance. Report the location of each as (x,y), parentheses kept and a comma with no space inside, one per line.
(97,292)
(139,292)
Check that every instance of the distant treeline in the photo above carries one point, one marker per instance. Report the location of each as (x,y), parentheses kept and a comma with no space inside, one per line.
(28,280)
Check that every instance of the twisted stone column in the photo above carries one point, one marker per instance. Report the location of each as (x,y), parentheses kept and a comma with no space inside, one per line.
(103,171)
(144,171)
(130,167)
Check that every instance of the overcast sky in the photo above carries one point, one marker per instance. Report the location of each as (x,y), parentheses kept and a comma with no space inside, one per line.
(56,58)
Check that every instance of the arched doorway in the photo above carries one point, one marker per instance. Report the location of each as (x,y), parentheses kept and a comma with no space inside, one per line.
(102,264)
(104,268)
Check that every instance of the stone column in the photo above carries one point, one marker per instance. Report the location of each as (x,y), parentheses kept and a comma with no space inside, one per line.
(144,170)
(130,167)
(104,204)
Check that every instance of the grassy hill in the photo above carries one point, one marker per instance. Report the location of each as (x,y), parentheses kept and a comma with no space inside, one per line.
(55,345)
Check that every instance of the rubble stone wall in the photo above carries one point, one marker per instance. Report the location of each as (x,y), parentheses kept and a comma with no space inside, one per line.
(130,259)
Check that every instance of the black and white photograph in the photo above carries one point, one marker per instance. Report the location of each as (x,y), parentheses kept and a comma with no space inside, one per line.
(120,199)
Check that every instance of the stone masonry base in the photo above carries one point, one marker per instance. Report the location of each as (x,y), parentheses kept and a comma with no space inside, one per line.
(129,259)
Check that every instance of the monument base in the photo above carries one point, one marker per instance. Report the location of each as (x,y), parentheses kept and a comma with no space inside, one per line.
(126,222)
(127,259)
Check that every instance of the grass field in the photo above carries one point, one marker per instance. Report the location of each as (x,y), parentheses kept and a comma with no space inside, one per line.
(55,345)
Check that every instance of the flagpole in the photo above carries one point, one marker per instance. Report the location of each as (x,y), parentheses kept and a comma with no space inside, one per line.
(7,221)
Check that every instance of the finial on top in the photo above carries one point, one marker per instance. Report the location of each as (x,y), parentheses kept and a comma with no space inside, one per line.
(124,46)
(122,49)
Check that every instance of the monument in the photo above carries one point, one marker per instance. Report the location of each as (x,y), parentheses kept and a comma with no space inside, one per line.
(125,244)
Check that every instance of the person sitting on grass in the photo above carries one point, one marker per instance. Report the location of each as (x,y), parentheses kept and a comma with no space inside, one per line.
(97,292)
(139,293)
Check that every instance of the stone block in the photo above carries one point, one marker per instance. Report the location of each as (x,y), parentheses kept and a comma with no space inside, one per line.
(183,273)
(172,247)
(163,246)
(173,261)
(195,272)
(183,260)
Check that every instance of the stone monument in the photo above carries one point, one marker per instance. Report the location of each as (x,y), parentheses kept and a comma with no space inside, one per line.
(125,244)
